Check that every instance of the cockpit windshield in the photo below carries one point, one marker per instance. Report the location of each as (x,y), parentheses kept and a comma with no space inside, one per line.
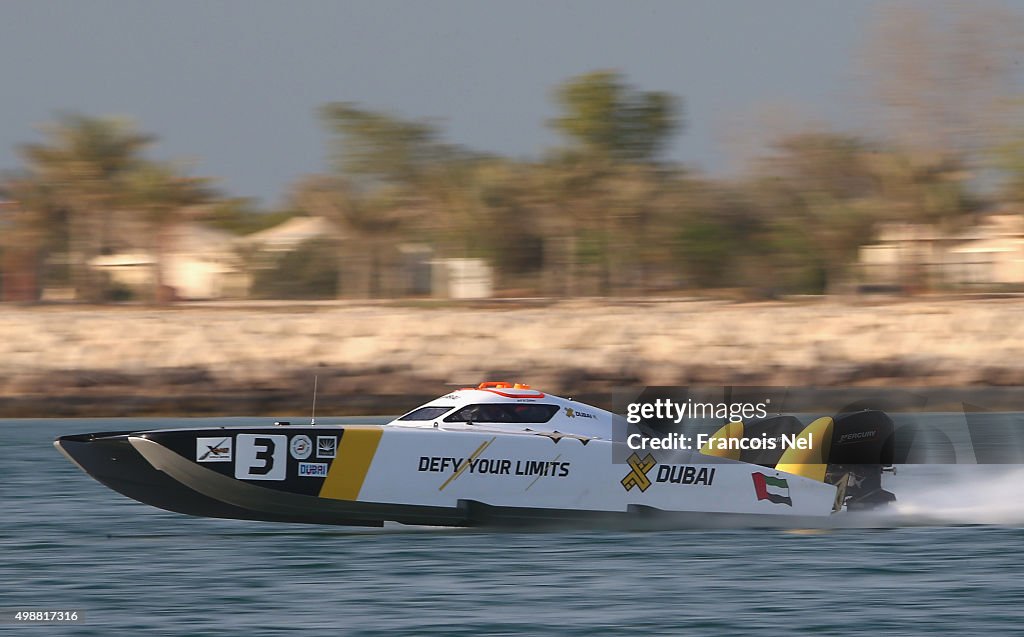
(426,413)
(504,412)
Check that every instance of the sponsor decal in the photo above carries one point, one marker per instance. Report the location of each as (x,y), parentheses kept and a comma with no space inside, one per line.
(462,468)
(573,413)
(772,489)
(301,447)
(637,476)
(213,449)
(684,474)
(326,446)
(312,469)
(494,466)
(856,436)
(261,456)
(557,435)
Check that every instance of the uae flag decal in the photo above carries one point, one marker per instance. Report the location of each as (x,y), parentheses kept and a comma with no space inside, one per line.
(772,489)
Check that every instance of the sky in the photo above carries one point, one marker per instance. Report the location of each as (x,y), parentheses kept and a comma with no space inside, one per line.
(233,86)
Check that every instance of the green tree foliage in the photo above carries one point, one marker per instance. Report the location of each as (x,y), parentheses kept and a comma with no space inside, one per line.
(83,165)
(368,229)
(714,231)
(604,117)
(35,221)
(88,189)
(382,148)
(396,180)
(821,196)
(490,217)
(600,193)
(815,191)
(1008,159)
(241,216)
(602,214)
(922,187)
(31,225)
(309,272)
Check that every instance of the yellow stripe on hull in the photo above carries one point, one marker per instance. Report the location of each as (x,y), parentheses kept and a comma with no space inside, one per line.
(348,471)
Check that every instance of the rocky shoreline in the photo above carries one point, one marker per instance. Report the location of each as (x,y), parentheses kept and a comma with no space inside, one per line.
(380,358)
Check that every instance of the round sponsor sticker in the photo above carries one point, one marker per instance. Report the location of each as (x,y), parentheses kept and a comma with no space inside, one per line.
(301,446)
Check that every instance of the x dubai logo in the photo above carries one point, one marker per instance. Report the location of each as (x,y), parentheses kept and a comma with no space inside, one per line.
(637,476)
(213,449)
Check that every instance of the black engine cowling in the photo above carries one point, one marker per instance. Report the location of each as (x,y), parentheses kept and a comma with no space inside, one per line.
(860,451)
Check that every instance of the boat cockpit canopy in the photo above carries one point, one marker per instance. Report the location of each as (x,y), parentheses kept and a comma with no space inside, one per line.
(504,412)
(487,412)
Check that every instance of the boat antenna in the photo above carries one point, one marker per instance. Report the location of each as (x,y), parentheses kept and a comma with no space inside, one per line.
(312,419)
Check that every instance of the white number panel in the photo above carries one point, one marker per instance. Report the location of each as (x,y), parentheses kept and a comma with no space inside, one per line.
(261,457)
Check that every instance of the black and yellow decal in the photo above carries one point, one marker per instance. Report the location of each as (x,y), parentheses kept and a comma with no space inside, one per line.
(685,474)
(637,476)
(477,464)
(555,436)
(472,458)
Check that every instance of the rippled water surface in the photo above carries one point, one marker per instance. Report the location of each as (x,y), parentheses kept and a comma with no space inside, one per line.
(68,542)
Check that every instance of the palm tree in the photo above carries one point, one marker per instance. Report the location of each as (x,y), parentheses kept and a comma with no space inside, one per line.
(365,228)
(634,194)
(84,162)
(30,222)
(570,199)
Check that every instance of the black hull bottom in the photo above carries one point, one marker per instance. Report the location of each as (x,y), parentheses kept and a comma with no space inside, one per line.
(112,461)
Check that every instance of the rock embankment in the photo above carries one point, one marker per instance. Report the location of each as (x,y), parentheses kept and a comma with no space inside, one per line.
(381,358)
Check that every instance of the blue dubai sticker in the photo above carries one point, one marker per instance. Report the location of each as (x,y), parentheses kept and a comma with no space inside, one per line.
(312,469)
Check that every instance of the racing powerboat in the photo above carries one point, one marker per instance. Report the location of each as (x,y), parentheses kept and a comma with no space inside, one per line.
(499,454)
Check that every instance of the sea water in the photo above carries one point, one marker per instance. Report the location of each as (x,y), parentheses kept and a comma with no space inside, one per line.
(948,559)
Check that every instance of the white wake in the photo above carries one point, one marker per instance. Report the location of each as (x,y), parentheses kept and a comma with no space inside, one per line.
(954,494)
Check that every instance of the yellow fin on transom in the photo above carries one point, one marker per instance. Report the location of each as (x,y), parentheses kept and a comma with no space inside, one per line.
(720,450)
(812,461)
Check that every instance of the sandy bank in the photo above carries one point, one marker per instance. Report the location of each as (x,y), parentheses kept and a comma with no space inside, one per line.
(253,359)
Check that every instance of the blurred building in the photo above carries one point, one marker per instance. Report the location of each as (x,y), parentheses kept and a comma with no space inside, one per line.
(462,279)
(204,263)
(198,263)
(990,253)
(291,234)
(403,269)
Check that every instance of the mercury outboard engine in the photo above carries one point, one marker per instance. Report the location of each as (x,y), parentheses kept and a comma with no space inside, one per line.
(861,450)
